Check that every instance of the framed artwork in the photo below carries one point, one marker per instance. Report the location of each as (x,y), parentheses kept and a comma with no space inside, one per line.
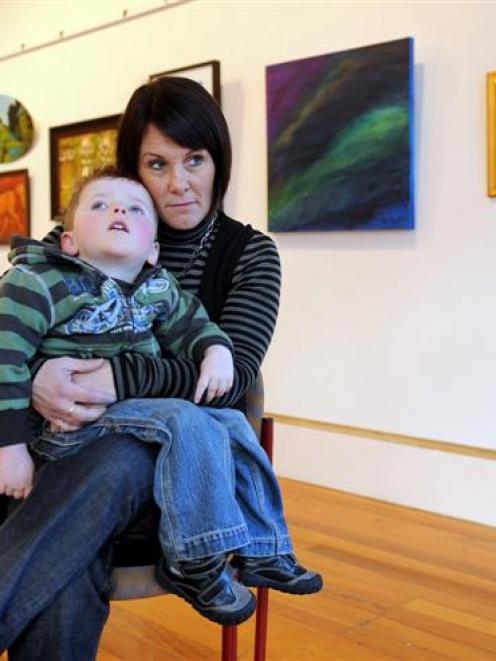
(75,151)
(14,204)
(205,73)
(491,133)
(16,129)
(340,140)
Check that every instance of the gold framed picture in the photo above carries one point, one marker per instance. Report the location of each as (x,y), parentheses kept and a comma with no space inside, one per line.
(491,133)
(75,151)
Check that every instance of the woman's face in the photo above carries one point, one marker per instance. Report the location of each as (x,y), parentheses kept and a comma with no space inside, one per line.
(180,180)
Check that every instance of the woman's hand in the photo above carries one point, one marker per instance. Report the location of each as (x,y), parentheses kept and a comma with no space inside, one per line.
(99,380)
(216,373)
(71,392)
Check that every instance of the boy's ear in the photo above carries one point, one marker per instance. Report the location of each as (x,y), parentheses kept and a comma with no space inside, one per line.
(153,254)
(68,244)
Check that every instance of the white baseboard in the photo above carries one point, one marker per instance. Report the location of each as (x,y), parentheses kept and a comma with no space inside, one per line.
(455,485)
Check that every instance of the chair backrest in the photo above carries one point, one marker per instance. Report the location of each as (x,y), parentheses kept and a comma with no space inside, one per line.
(254,400)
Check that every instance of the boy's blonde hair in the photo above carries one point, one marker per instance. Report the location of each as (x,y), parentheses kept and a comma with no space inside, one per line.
(108,172)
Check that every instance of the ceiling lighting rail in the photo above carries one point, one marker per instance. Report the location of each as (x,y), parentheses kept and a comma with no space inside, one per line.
(125,17)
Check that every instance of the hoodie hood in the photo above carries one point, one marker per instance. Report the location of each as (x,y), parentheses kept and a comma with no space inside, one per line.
(30,251)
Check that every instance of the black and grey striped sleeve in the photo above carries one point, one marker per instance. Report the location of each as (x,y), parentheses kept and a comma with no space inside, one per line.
(248,318)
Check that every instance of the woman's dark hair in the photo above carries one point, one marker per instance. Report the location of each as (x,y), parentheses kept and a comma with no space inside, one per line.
(187,114)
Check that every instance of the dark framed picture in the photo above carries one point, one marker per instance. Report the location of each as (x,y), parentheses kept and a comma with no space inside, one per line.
(205,73)
(75,151)
(14,204)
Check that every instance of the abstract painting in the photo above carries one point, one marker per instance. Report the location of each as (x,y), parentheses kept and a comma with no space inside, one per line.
(340,140)
(14,204)
(76,150)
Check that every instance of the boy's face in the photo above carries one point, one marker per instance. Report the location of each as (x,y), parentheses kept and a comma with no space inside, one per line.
(114,222)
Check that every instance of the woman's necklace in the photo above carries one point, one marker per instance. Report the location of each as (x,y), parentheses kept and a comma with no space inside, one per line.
(199,247)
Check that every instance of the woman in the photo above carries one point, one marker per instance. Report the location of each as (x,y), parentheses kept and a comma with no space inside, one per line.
(174,137)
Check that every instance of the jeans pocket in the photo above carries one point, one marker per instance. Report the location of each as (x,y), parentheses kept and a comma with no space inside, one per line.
(55,445)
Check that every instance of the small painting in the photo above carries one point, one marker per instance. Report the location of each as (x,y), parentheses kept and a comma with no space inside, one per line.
(16,129)
(340,140)
(14,204)
(491,133)
(76,150)
(205,73)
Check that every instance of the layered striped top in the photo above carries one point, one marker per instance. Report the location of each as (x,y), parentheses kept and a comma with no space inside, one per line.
(248,316)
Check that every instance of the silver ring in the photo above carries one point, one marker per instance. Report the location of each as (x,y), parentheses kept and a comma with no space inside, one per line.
(71,409)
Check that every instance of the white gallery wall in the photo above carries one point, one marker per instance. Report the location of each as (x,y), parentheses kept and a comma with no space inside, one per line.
(389,331)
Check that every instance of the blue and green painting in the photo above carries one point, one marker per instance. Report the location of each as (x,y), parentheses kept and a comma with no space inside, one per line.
(340,140)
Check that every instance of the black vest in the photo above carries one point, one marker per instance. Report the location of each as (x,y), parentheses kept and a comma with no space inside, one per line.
(230,241)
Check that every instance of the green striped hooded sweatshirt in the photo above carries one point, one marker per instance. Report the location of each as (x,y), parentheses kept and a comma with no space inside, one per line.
(52,304)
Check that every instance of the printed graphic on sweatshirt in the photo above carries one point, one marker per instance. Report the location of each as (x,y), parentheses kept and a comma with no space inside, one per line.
(114,310)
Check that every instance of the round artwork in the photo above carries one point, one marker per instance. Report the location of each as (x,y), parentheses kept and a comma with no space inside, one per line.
(16,129)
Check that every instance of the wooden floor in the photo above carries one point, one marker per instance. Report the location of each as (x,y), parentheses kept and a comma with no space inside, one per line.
(399,584)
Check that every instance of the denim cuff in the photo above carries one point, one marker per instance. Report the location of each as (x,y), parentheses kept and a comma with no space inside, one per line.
(211,543)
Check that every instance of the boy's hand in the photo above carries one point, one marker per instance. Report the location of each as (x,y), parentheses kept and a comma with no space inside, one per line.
(16,471)
(216,373)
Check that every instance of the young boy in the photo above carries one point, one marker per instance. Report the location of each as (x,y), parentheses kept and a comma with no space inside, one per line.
(96,297)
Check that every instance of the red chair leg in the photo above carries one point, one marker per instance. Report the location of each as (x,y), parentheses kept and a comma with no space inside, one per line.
(229,643)
(261,624)
(267,442)
(230,633)
(267,436)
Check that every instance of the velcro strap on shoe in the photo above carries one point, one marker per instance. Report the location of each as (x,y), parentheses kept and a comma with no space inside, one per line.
(212,591)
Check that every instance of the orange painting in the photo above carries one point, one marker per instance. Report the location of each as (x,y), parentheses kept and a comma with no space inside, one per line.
(14,204)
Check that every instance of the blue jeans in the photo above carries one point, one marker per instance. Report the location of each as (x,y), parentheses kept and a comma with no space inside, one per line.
(214,484)
(69,629)
(54,549)
(52,569)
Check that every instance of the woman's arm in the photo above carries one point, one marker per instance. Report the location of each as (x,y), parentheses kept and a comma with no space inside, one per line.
(248,317)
